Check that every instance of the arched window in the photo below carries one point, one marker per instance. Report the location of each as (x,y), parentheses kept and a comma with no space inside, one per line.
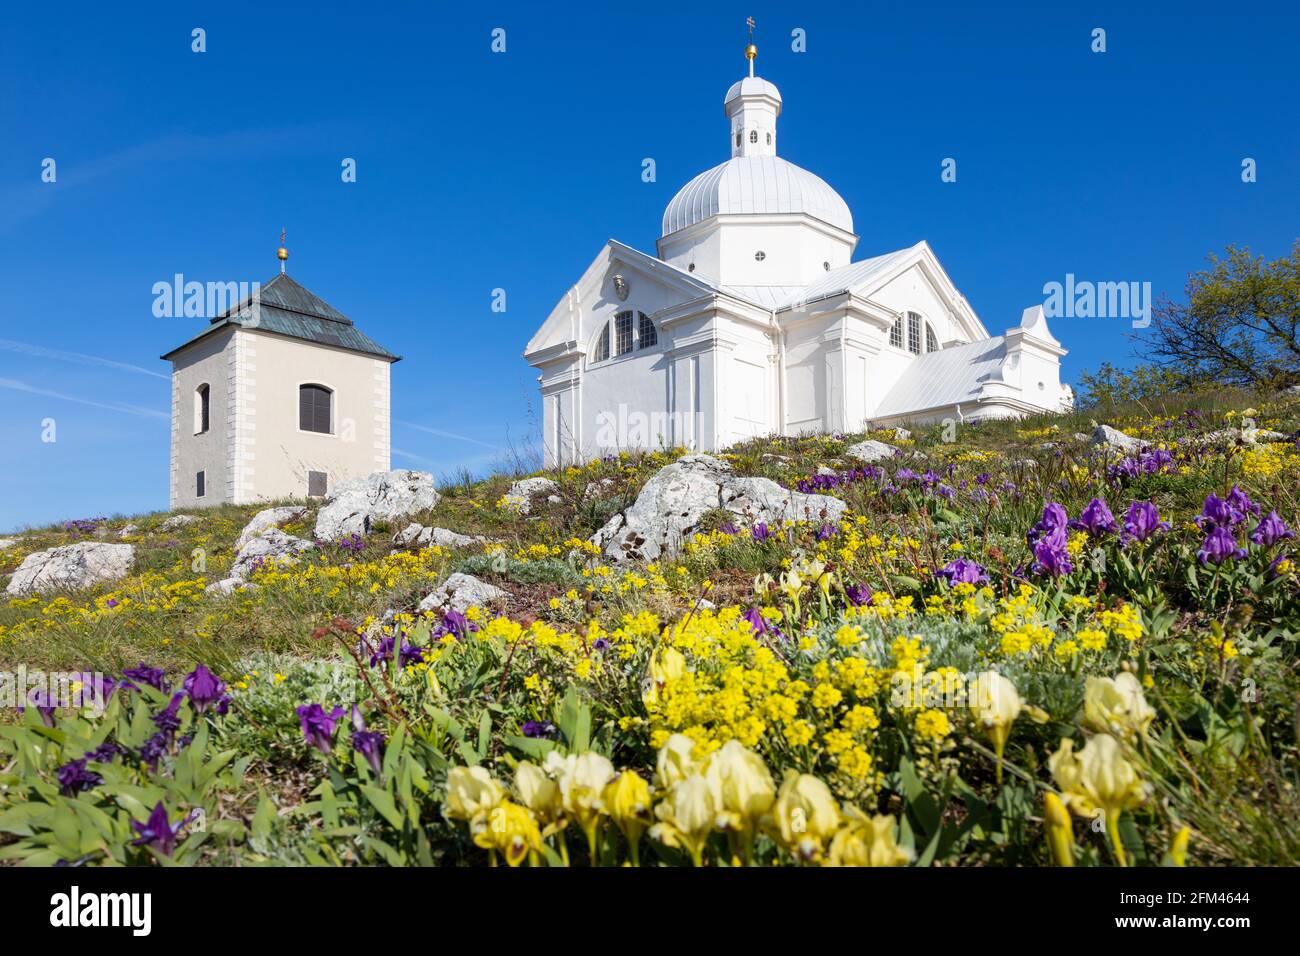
(202,408)
(737,137)
(647,335)
(314,409)
(769,139)
(753,136)
(622,333)
(931,343)
(914,333)
(628,331)
(896,333)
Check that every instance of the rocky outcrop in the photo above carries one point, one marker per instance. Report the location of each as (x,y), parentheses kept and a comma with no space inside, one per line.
(668,509)
(272,544)
(523,494)
(387,496)
(177,521)
(270,518)
(871,451)
(1107,437)
(6,543)
(416,535)
(72,567)
(461,592)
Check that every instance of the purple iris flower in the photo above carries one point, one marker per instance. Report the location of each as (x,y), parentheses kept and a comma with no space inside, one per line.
(318,726)
(728,528)
(1055,519)
(368,743)
(74,777)
(760,625)
(904,474)
(105,752)
(142,672)
(1051,555)
(1241,503)
(963,571)
(825,532)
(44,704)
(1096,518)
(168,720)
(154,749)
(600,644)
(158,832)
(538,729)
(1270,530)
(1142,521)
(858,594)
(760,532)
(204,687)
(1220,545)
(409,653)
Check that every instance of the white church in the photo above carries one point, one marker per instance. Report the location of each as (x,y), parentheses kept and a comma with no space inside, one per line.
(753,319)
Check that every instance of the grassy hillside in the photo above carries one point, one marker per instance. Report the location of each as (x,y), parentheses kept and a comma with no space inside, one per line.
(748,657)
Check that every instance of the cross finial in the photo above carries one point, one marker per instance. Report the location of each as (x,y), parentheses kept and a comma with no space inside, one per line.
(282,253)
(751,51)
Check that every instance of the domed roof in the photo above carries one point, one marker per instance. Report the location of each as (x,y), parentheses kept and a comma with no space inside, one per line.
(757,185)
(751,86)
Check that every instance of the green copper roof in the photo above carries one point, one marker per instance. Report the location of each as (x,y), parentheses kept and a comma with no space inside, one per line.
(284,307)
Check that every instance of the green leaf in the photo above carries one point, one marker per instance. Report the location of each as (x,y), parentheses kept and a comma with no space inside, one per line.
(382,801)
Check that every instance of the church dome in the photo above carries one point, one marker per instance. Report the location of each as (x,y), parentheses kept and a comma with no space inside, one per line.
(751,86)
(756,185)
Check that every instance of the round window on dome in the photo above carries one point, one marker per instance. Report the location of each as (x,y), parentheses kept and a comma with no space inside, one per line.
(826,266)
(691,267)
(753,136)
(760,256)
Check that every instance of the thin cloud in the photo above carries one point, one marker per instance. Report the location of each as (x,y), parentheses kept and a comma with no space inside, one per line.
(76,358)
(123,407)
(452,435)
(418,459)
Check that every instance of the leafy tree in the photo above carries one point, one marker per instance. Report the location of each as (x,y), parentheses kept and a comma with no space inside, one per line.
(1239,325)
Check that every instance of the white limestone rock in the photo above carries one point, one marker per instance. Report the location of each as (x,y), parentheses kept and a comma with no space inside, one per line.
(177,521)
(522,493)
(72,567)
(230,586)
(416,535)
(871,451)
(1107,437)
(901,434)
(271,544)
(823,470)
(7,543)
(387,496)
(128,530)
(270,518)
(461,592)
(669,507)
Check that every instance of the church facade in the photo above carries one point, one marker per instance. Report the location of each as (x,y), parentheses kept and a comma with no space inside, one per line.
(752,319)
(280,397)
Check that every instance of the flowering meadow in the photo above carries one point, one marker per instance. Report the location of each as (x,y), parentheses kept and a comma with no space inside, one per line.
(1015,647)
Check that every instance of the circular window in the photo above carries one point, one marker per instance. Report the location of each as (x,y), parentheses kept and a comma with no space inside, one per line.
(826,266)
(760,256)
(1041,386)
(691,267)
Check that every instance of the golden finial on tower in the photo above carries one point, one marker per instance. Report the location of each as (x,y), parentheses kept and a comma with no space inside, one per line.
(751,51)
(282,253)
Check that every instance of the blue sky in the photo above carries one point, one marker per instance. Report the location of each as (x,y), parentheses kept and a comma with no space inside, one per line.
(478,171)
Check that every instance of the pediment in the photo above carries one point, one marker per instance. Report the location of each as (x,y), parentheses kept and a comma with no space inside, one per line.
(618,277)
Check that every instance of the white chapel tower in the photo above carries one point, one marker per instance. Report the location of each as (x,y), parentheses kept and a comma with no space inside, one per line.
(280,397)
